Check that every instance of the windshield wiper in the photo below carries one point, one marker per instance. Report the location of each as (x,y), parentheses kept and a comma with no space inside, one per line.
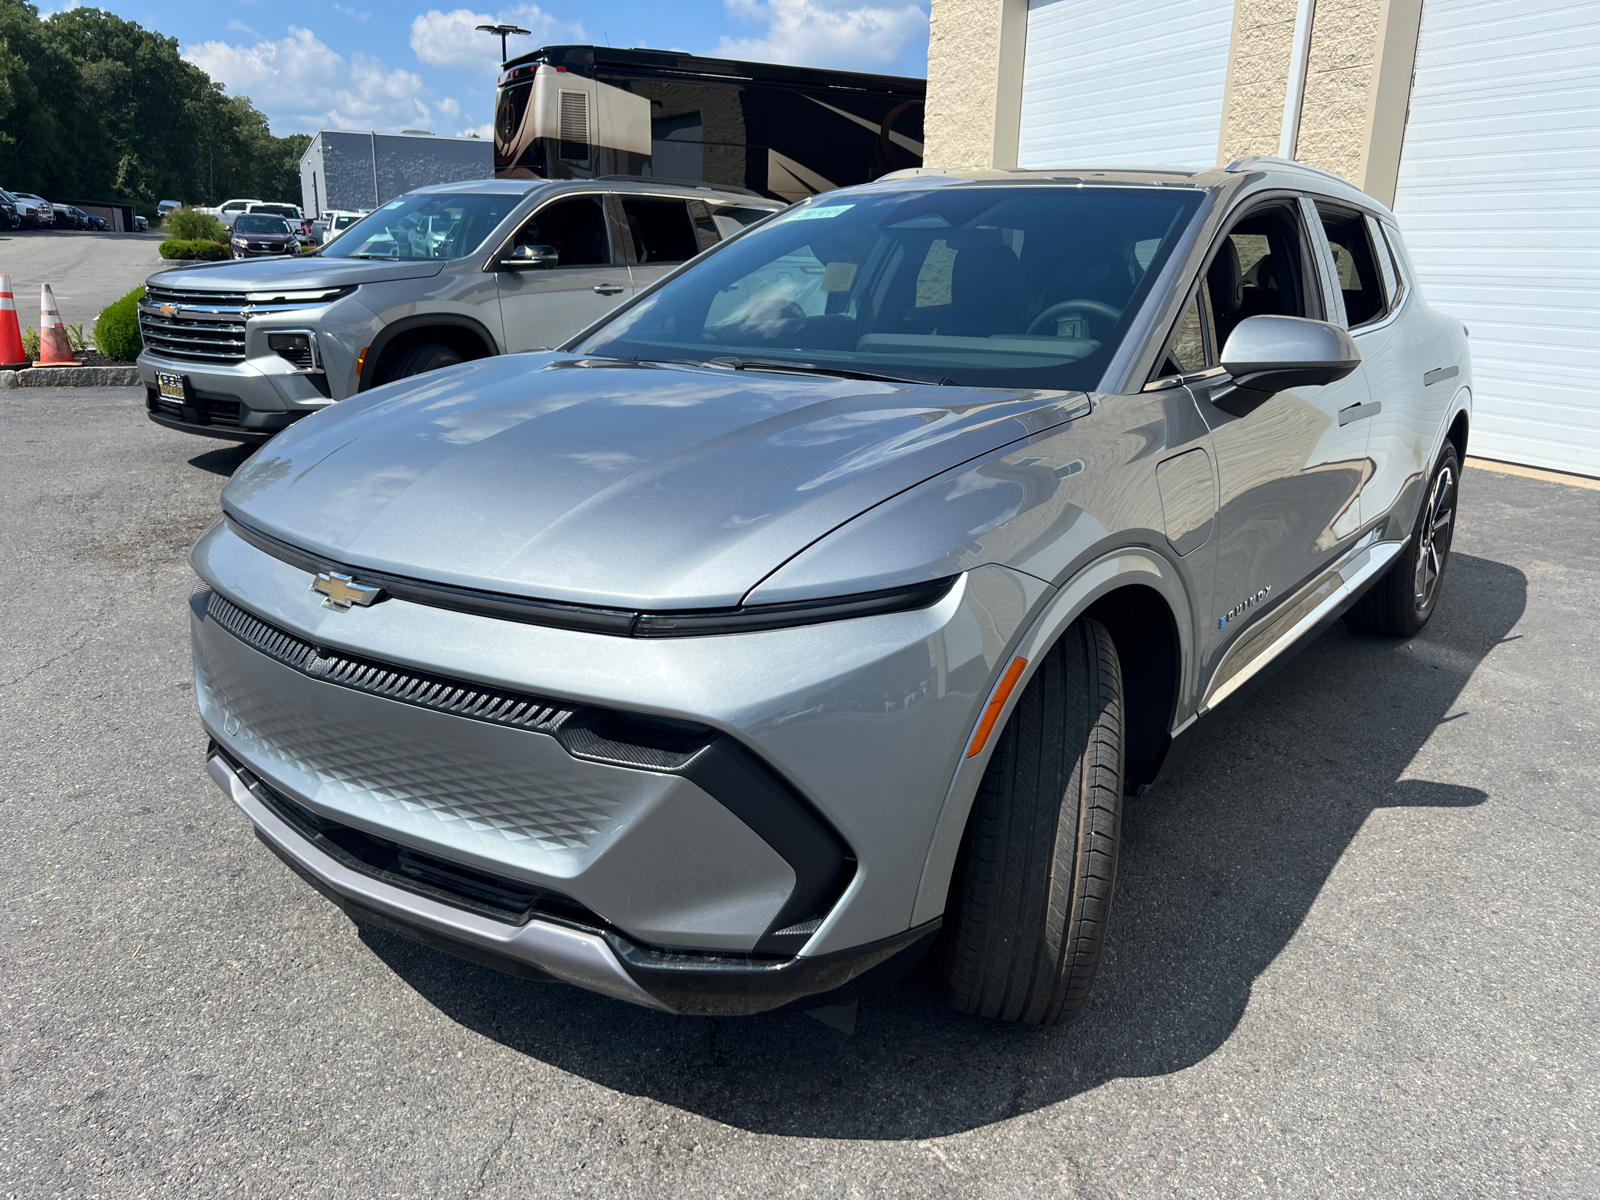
(805,368)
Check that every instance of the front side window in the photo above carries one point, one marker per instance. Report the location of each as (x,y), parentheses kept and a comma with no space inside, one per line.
(988,286)
(426,225)
(1258,270)
(661,230)
(1187,350)
(576,228)
(1355,265)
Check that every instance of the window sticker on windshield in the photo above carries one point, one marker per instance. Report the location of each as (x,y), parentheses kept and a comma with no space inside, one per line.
(839,276)
(819,213)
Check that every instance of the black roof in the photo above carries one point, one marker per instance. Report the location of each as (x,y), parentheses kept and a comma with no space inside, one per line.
(587,60)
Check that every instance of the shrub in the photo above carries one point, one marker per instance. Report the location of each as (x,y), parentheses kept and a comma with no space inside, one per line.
(187,225)
(116,329)
(30,344)
(201,248)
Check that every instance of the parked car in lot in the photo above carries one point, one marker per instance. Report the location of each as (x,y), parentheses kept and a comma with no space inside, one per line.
(438,276)
(140,224)
(230,210)
(167,206)
(70,216)
(290,213)
(99,223)
(336,222)
(261,235)
(820,606)
(36,212)
(9,217)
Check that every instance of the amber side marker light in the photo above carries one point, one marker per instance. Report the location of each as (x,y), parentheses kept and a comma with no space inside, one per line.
(361,361)
(992,713)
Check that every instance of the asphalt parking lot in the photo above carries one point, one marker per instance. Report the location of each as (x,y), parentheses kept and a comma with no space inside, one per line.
(1355,948)
(85,271)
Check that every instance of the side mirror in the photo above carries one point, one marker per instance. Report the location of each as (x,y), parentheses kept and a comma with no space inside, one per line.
(530,258)
(1268,354)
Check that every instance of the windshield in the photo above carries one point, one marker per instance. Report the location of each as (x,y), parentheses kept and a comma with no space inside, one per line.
(984,286)
(426,225)
(280,210)
(257,224)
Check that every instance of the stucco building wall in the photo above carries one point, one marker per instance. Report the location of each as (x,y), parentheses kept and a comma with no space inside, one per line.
(1352,114)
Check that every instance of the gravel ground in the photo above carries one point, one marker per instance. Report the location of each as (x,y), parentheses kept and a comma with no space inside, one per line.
(1355,948)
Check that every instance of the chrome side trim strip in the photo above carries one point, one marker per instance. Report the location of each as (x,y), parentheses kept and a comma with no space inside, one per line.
(571,955)
(1340,584)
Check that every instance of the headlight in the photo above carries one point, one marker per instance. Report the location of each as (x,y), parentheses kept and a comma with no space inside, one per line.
(306,296)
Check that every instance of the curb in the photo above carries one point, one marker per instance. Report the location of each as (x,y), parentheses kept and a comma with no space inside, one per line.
(70,377)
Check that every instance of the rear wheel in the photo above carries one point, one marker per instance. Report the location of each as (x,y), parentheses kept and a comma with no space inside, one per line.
(419,360)
(1032,895)
(1401,602)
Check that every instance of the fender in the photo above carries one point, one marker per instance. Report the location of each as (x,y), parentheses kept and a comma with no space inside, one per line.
(1135,565)
(422,321)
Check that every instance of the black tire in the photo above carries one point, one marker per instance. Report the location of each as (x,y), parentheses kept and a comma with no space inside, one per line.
(1032,891)
(1401,601)
(419,360)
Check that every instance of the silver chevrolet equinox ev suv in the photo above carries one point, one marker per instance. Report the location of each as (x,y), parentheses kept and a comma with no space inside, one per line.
(442,275)
(822,605)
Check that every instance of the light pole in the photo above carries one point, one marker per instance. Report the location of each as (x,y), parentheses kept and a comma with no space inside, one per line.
(504,31)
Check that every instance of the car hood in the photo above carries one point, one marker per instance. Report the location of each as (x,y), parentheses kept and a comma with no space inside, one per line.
(306,271)
(635,486)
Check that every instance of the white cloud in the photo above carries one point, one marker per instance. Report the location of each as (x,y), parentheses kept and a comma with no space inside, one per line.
(302,84)
(827,33)
(485,131)
(452,39)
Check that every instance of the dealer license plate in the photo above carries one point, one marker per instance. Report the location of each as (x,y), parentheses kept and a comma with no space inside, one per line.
(171,386)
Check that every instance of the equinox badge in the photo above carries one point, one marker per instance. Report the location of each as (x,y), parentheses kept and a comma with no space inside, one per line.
(342,591)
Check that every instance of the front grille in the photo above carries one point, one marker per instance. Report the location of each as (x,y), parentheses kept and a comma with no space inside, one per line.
(504,899)
(195,337)
(461,699)
(207,326)
(210,410)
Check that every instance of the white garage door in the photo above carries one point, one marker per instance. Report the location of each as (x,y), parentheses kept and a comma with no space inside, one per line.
(1499,197)
(1136,83)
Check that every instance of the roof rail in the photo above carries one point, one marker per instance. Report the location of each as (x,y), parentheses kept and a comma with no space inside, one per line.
(689,183)
(1271,162)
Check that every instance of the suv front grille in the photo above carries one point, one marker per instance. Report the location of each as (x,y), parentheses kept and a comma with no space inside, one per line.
(206,326)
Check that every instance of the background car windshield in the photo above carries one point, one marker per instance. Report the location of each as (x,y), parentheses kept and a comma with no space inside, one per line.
(255,224)
(425,226)
(984,286)
(280,210)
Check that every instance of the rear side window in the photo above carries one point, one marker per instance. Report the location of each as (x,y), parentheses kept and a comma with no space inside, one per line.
(1356,266)
(661,229)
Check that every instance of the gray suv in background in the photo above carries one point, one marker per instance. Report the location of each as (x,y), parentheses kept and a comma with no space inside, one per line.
(441,275)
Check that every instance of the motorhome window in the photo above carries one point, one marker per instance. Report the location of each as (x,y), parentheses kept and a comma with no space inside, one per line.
(427,225)
(661,229)
(987,286)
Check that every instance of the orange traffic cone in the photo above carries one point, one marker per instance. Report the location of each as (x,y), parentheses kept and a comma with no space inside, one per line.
(12,355)
(54,351)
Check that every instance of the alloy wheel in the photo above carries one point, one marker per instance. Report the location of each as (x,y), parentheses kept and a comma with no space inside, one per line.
(1435,534)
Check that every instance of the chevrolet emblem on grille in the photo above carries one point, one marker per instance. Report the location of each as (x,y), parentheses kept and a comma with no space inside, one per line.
(342,591)
(169,310)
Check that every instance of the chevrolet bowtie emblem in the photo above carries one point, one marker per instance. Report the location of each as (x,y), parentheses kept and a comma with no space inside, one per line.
(169,310)
(342,591)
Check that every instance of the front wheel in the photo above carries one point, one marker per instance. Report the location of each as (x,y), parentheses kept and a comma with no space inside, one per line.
(1031,898)
(1400,603)
(419,360)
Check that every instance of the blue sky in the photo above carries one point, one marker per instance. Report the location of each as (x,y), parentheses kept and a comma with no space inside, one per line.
(362,65)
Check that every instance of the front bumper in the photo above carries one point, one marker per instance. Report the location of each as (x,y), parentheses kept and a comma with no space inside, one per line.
(863,720)
(568,951)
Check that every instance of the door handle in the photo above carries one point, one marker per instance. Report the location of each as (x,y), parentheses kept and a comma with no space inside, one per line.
(1359,412)
(608,289)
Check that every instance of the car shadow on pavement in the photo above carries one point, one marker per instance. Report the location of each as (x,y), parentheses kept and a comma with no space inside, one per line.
(1220,865)
(225,459)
